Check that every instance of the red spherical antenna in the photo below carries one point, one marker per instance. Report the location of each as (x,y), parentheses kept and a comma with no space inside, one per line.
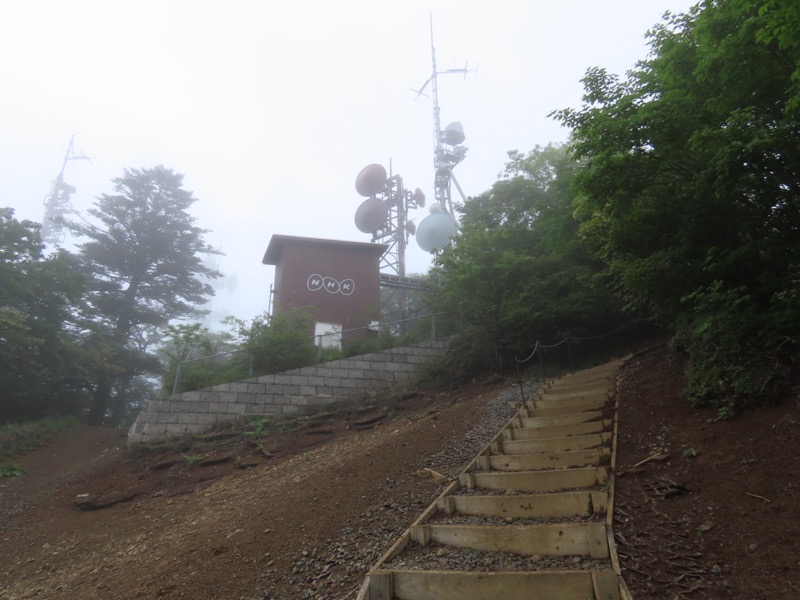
(371,215)
(370,180)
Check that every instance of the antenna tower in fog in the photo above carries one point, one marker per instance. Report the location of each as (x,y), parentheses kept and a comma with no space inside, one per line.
(447,143)
(436,230)
(57,203)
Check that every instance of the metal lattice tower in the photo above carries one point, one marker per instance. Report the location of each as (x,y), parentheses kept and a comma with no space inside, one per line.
(448,151)
(57,203)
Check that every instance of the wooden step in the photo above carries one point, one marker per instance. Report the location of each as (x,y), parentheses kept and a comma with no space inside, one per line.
(525,422)
(580,387)
(544,461)
(544,486)
(563,431)
(399,584)
(563,539)
(556,397)
(578,442)
(536,481)
(551,411)
(517,506)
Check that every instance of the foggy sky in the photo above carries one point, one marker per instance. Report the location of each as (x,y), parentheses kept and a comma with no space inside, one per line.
(270,110)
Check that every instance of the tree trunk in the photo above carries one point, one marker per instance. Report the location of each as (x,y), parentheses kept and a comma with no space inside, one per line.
(100,400)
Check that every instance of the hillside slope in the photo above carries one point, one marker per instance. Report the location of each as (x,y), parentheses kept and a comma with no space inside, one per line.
(304,513)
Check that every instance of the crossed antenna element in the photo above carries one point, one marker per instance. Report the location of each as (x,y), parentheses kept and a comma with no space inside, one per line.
(384,213)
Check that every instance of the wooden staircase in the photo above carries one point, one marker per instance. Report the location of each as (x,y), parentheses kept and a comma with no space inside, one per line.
(532,512)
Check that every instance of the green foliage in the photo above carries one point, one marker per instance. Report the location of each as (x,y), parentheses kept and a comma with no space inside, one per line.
(516,271)
(280,343)
(688,192)
(737,354)
(25,436)
(11,470)
(144,259)
(211,357)
(191,459)
(40,362)
(257,427)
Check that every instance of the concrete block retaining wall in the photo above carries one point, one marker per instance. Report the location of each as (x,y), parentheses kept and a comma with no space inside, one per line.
(278,394)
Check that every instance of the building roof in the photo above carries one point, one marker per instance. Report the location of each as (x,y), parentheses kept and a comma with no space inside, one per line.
(279,242)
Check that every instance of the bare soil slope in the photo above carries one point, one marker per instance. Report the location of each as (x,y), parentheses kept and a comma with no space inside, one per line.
(305,513)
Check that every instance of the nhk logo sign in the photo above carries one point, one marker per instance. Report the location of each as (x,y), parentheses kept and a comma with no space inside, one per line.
(330,285)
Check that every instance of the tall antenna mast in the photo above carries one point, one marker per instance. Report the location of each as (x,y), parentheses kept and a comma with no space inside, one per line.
(57,203)
(448,151)
(435,230)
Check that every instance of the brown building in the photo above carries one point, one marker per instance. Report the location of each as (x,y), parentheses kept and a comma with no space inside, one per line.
(338,282)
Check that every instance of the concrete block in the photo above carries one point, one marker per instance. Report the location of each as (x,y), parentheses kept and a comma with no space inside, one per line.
(207,419)
(190,396)
(323,400)
(158,405)
(229,397)
(218,408)
(265,399)
(316,380)
(146,417)
(308,390)
(187,418)
(268,379)
(155,430)
(236,408)
(332,382)
(290,409)
(168,417)
(240,386)
(256,388)
(176,429)
(298,400)
(308,371)
(355,373)
(209,396)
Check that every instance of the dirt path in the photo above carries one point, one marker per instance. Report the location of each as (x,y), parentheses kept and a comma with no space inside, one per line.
(308,519)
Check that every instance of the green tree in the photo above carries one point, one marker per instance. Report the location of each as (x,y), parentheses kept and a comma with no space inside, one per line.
(689,191)
(145,260)
(40,369)
(193,342)
(516,271)
(280,342)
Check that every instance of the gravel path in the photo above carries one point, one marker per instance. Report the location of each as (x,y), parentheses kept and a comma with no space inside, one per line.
(326,572)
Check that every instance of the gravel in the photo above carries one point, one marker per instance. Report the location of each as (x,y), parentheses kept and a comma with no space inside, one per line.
(336,569)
